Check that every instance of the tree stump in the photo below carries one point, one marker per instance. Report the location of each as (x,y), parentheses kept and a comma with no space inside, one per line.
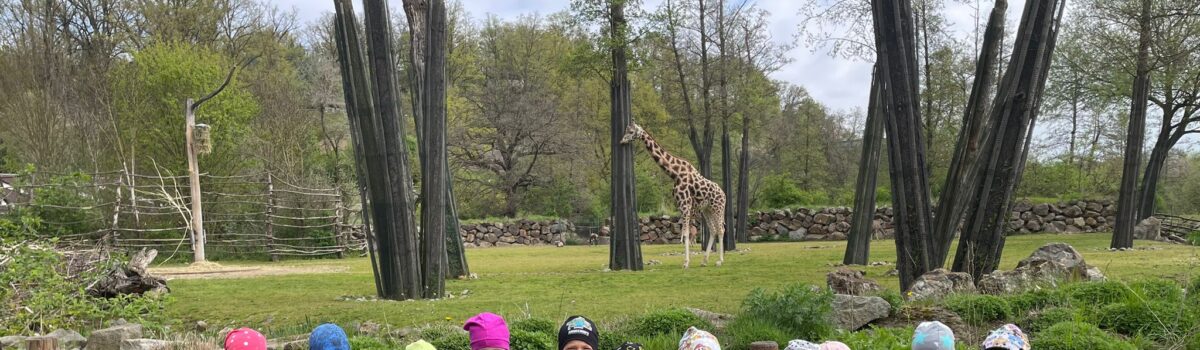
(764,345)
(41,343)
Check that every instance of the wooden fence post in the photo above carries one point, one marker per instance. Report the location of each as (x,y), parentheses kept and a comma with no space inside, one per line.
(338,236)
(41,343)
(112,230)
(270,217)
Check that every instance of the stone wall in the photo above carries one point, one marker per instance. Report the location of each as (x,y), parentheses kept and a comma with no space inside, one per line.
(826,224)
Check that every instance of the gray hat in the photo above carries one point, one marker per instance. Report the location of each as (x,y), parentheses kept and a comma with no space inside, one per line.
(933,336)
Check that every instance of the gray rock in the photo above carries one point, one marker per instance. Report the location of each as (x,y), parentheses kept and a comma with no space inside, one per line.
(1022,206)
(1095,206)
(823,219)
(718,320)
(939,283)
(837,236)
(851,282)
(1079,222)
(1041,209)
(111,338)
(368,328)
(781,230)
(146,344)
(1073,211)
(797,235)
(12,342)
(68,339)
(1045,268)
(1033,226)
(1150,228)
(852,312)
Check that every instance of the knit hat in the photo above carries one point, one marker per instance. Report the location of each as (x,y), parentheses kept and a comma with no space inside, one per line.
(630,346)
(487,330)
(420,345)
(245,339)
(328,337)
(695,339)
(933,336)
(834,345)
(801,345)
(1008,337)
(578,328)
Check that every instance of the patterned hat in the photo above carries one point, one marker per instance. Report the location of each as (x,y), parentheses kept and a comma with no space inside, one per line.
(1008,337)
(801,345)
(578,328)
(695,339)
(630,346)
(933,336)
(245,339)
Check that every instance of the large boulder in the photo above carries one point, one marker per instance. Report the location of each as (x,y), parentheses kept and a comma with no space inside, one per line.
(824,219)
(852,312)
(111,338)
(1046,267)
(939,283)
(12,342)
(146,344)
(851,282)
(68,339)
(1150,228)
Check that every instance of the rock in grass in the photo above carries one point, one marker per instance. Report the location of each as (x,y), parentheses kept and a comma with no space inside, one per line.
(1046,267)
(12,342)
(852,312)
(939,283)
(68,339)
(111,338)
(851,282)
(146,344)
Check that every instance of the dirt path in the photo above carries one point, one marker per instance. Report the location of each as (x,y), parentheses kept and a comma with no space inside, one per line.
(214,270)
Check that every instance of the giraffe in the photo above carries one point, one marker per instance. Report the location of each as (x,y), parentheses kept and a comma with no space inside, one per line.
(694,194)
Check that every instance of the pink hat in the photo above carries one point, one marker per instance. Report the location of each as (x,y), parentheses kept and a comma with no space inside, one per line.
(487,330)
(245,339)
(834,345)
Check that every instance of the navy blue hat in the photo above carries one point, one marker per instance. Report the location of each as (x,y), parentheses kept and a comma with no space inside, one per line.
(328,337)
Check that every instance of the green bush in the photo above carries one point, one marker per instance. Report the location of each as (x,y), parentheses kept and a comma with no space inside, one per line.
(359,342)
(893,298)
(779,191)
(878,339)
(57,203)
(979,309)
(801,309)
(535,325)
(1049,317)
(611,340)
(533,340)
(669,321)
(38,296)
(743,331)
(1158,289)
(1034,300)
(446,340)
(1097,293)
(1077,336)
(1156,319)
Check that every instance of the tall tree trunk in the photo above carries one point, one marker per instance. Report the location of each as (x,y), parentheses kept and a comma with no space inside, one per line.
(961,177)
(625,251)
(910,183)
(743,191)
(862,219)
(729,237)
(1127,206)
(433,177)
(1007,139)
(399,267)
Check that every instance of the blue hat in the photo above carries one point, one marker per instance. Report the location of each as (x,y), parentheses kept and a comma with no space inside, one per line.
(328,337)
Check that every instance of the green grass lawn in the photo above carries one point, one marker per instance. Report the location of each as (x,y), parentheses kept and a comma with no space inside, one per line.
(554,282)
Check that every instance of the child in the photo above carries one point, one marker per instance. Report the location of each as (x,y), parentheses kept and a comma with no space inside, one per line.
(328,337)
(488,332)
(933,336)
(1008,337)
(695,339)
(245,339)
(578,333)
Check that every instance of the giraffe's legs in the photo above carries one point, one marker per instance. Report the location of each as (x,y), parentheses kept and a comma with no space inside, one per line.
(687,239)
(712,235)
(717,227)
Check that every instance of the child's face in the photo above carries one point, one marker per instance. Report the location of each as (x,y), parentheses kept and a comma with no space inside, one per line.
(577,345)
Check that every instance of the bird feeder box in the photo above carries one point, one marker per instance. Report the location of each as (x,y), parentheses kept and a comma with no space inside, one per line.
(203,137)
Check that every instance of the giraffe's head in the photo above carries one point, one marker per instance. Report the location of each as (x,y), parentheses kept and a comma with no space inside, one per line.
(633,132)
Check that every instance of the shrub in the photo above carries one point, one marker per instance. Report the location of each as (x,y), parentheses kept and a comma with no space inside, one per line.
(1097,293)
(442,339)
(979,309)
(1077,336)
(1156,319)
(893,298)
(879,338)
(533,340)
(535,325)
(1048,317)
(743,331)
(367,343)
(1194,238)
(1158,289)
(669,321)
(611,340)
(801,309)
(1034,300)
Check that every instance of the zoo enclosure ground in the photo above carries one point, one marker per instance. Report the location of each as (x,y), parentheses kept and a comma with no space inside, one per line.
(553,283)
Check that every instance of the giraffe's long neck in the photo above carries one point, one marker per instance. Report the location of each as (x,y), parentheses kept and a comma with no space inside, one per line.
(674,166)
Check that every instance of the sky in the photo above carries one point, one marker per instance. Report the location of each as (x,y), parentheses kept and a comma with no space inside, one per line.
(841,84)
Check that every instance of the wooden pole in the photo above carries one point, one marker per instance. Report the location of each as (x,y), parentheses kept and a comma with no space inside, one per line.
(271,217)
(338,237)
(41,343)
(198,238)
(112,230)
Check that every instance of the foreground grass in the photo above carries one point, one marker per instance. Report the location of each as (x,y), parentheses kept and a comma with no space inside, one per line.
(554,282)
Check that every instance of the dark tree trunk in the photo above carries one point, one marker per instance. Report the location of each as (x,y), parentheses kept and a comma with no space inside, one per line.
(399,264)
(961,177)
(862,219)
(433,176)
(743,191)
(910,183)
(729,239)
(360,162)
(1127,205)
(625,251)
(1007,140)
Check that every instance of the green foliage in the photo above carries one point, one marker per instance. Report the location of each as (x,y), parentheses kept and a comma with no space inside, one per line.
(446,338)
(801,309)
(744,330)
(1077,336)
(1155,319)
(893,298)
(979,309)
(613,340)
(533,340)
(1048,317)
(1194,238)
(1157,289)
(535,325)
(18,227)
(1034,300)
(1097,293)
(58,205)
(359,342)
(779,191)
(39,297)
(878,338)
(668,321)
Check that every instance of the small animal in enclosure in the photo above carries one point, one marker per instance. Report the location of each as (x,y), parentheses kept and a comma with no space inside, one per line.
(694,194)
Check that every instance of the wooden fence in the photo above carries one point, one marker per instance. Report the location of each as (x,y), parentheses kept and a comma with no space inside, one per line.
(246,216)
